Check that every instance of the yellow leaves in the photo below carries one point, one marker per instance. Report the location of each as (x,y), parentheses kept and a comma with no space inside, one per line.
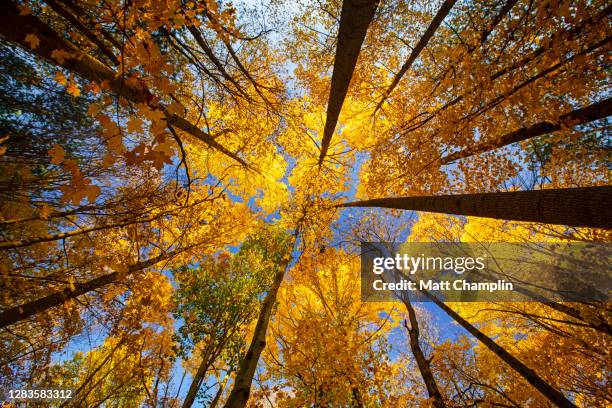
(60,78)
(33,40)
(154,291)
(71,283)
(60,55)
(73,89)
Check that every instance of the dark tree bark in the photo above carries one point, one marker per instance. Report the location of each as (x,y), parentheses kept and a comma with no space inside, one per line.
(592,321)
(576,117)
(422,362)
(57,7)
(21,312)
(355,19)
(198,378)
(551,393)
(195,32)
(15,28)
(577,207)
(570,35)
(433,26)
(244,378)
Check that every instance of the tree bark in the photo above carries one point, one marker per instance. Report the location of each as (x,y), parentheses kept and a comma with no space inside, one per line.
(242,383)
(578,207)
(197,35)
(593,322)
(551,393)
(570,35)
(22,312)
(57,7)
(15,28)
(433,26)
(355,19)
(422,362)
(197,379)
(576,117)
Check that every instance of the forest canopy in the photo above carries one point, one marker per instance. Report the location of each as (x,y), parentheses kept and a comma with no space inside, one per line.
(185,186)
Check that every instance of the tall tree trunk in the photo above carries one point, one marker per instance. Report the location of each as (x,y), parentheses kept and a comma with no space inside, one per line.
(21,312)
(596,323)
(355,19)
(15,27)
(242,383)
(433,26)
(576,117)
(567,35)
(422,362)
(553,395)
(215,401)
(578,207)
(199,376)
(57,7)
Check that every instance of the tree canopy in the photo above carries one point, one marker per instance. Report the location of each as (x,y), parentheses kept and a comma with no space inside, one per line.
(184,187)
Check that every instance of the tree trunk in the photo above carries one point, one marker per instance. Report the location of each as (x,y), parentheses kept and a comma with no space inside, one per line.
(578,207)
(242,383)
(354,21)
(562,33)
(197,379)
(422,362)
(15,28)
(433,26)
(57,7)
(19,313)
(553,395)
(576,117)
(593,322)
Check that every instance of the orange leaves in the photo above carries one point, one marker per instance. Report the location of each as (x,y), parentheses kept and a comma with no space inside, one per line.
(93,109)
(24,10)
(60,78)
(33,40)
(3,148)
(45,212)
(60,55)
(80,187)
(134,124)
(57,154)
(112,134)
(71,85)
(73,89)
(176,108)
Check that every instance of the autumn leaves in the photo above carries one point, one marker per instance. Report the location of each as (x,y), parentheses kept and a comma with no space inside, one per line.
(45,42)
(149,141)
